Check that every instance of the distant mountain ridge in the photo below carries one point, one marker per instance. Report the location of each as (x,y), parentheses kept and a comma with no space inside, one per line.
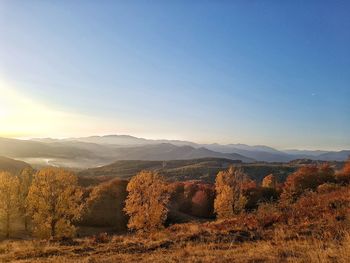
(127,140)
(95,151)
(257,152)
(80,154)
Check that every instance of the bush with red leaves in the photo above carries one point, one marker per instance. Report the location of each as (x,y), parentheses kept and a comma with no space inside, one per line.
(343,176)
(305,179)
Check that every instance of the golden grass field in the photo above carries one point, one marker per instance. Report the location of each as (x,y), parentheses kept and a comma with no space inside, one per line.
(187,243)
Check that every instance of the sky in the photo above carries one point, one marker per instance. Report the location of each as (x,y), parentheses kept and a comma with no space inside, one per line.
(257,72)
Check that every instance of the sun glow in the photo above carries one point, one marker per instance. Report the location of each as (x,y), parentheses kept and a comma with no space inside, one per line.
(21,116)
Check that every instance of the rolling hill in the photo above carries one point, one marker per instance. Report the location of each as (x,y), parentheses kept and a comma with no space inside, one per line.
(204,169)
(167,151)
(335,156)
(13,166)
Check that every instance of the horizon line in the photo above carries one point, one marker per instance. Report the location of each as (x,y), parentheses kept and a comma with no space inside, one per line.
(180,140)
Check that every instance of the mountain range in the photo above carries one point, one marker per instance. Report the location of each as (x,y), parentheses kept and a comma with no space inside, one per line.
(83,152)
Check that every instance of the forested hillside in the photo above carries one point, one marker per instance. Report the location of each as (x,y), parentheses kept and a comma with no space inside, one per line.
(182,170)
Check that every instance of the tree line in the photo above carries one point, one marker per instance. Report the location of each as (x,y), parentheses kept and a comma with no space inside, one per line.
(51,202)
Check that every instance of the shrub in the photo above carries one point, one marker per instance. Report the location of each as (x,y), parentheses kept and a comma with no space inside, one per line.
(100,238)
(313,207)
(267,215)
(306,178)
(258,195)
(327,188)
(343,176)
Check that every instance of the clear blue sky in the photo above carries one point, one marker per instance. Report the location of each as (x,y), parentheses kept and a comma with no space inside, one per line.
(255,72)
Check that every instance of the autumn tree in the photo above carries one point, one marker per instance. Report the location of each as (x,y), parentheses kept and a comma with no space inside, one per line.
(229,192)
(8,199)
(269,181)
(346,168)
(25,181)
(147,201)
(306,178)
(343,176)
(54,202)
(194,198)
(104,205)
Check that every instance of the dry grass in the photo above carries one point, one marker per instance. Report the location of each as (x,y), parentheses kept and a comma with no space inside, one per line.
(197,244)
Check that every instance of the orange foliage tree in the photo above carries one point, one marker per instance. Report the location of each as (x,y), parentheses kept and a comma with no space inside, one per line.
(8,199)
(229,192)
(25,181)
(147,201)
(269,181)
(54,201)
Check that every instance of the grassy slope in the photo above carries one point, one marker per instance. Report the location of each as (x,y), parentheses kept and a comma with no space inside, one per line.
(138,249)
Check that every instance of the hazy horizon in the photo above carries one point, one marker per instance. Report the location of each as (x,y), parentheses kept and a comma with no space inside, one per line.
(257,73)
(175,139)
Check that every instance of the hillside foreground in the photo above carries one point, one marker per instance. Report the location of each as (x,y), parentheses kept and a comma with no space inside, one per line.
(314,229)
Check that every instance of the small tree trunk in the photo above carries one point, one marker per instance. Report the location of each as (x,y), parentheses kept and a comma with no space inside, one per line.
(7,224)
(53,229)
(26,223)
